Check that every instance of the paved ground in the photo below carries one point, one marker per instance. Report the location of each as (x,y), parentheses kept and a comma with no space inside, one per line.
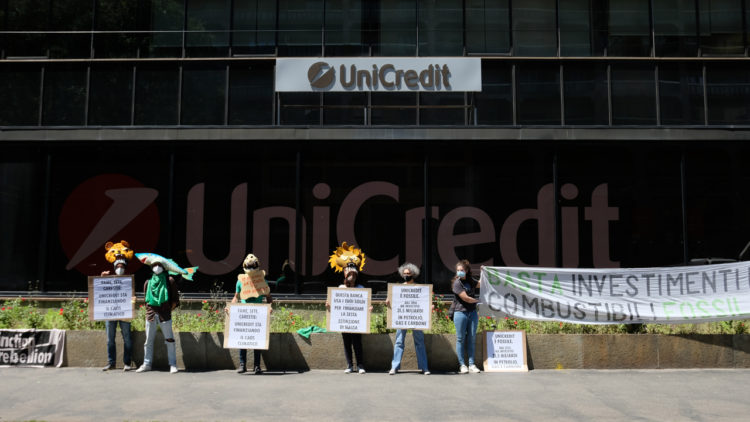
(86,394)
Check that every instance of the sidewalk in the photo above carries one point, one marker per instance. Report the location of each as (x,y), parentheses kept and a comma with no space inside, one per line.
(86,394)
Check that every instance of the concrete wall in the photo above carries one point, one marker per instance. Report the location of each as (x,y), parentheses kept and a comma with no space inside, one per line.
(291,352)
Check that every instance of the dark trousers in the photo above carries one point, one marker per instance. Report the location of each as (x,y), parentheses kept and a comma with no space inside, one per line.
(355,340)
(256,357)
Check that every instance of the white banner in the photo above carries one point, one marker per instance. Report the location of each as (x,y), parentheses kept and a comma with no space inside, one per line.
(671,295)
(246,326)
(411,306)
(110,298)
(35,348)
(349,310)
(379,74)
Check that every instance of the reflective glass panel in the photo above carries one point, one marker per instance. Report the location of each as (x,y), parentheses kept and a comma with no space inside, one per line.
(720,25)
(203,94)
(681,94)
(157,89)
(675,29)
(629,28)
(19,86)
(254,27)
(534,28)
(64,101)
(251,94)
(300,27)
(494,104)
(487,27)
(538,93)
(586,94)
(728,90)
(207,28)
(440,27)
(397,32)
(633,94)
(111,94)
(344,31)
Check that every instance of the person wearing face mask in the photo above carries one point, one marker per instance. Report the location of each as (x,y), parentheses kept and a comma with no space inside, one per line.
(118,254)
(408,272)
(162,298)
(249,266)
(352,340)
(465,316)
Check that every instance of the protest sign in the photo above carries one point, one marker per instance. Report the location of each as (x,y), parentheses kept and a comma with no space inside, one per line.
(670,295)
(349,310)
(246,326)
(110,298)
(411,306)
(35,348)
(505,351)
(253,285)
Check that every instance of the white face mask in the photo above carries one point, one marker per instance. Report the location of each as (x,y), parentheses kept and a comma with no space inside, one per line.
(120,270)
(158,269)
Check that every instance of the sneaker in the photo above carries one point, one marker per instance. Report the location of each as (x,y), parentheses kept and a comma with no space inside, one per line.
(108,367)
(257,370)
(143,368)
(126,368)
(392,372)
(426,372)
(474,370)
(173,370)
(242,369)
(463,370)
(361,370)
(348,370)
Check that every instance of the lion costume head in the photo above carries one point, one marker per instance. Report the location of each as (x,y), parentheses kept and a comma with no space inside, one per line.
(347,256)
(118,252)
(251,264)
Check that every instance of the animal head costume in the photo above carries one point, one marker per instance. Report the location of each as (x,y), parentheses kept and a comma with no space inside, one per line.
(348,259)
(254,280)
(118,254)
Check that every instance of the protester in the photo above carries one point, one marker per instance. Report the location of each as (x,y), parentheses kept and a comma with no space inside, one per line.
(249,266)
(118,254)
(162,298)
(465,319)
(409,272)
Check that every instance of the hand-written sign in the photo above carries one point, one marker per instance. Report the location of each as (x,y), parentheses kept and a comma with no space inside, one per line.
(505,351)
(253,285)
(349,310)
(246,326)
(410,306)
(110,298)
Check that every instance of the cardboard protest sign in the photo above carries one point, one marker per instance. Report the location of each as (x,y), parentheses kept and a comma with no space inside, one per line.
(505,351)
(246,326)
(349,310)
(253,285)
(110,298)
(411,306)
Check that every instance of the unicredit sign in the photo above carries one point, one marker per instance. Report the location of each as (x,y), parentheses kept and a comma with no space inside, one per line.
(379,74)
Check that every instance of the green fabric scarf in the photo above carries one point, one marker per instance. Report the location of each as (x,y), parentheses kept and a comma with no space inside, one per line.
(157,292)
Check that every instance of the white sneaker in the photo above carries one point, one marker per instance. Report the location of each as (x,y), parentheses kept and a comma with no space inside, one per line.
(426,372)
(361,371)
(392,372)
(173,370)
(463,370)
(348,370)
(126,368)
(474,370)
(143,368)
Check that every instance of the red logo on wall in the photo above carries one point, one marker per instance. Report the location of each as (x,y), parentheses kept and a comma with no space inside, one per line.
(108,207)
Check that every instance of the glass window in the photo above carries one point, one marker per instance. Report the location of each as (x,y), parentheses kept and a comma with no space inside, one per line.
(299,108)
(254,30)
(681,94)
(344,33)
(538,93)
(64,95)
(629,28)
(494,104)
(535,28)
(203,94)
(442,108)
(728,88)
(19,86)
(251,94)
(397,32)
(124,17)
(393,108)
(633,94)
(300,27)
(583,27)
(207,28)
(441,28)
(344,108)
(586,94)
(721,29)
(111,94)
(675,29)
(156,91)
(167,20)
(487,27)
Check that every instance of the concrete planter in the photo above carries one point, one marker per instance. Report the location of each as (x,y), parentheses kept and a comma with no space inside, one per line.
(291,352)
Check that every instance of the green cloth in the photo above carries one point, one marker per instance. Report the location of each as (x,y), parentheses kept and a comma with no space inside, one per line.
(157,291)
(305,332)
(258,299)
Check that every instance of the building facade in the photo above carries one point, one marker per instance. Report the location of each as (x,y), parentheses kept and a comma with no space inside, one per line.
(605,133)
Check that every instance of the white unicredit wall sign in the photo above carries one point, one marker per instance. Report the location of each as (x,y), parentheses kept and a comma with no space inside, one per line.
(379,74)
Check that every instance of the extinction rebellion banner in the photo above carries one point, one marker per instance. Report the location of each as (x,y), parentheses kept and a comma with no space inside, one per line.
(618,296)
(37,348)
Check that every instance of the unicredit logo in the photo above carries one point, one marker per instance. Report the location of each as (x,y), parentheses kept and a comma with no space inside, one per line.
(321,75)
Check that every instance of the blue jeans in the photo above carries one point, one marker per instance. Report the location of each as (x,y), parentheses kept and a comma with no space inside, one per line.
(398,349)
(126,343)
(148,347)
(466,334)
